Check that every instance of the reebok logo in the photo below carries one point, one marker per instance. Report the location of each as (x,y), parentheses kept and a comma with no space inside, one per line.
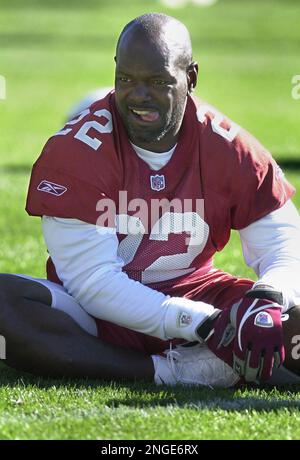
(52,188)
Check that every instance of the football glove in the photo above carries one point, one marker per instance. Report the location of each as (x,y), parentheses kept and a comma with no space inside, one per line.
(248,336)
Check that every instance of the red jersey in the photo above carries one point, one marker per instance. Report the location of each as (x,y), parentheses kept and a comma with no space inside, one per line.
(169,222)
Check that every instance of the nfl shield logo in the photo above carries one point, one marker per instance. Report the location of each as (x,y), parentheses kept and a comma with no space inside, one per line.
(263,319)
(184,319)
(157,182)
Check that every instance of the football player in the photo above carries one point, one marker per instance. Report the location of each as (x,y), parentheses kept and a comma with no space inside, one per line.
(136,194)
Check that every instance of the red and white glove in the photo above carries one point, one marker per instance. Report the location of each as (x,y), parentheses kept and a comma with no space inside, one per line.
(248,336)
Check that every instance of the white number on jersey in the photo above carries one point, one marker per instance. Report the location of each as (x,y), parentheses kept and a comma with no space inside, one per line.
(230,134)
(82,134)
(170,266)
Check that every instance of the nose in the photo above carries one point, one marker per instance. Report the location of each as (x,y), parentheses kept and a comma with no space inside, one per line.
(140,93)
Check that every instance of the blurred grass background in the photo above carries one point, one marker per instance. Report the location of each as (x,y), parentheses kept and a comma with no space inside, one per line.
(53,52)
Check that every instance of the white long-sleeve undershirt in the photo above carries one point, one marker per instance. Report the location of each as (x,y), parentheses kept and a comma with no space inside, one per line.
(271,246)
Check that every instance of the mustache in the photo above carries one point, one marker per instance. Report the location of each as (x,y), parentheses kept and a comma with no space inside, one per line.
(143,107)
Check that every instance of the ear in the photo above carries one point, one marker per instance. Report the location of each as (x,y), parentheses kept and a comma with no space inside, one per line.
(192,76)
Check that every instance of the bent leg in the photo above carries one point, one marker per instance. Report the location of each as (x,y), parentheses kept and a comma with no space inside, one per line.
(45,341)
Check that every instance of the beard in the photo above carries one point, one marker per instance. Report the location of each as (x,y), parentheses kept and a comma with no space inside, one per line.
(151,135)
(137,135)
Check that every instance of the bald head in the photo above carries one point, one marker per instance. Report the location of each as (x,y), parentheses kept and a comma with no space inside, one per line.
(165,33)
(154,75)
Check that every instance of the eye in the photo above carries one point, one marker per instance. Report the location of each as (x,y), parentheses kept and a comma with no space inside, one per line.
(124,79)
(160,82)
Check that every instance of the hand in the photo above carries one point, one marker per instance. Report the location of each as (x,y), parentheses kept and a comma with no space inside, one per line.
(248,336)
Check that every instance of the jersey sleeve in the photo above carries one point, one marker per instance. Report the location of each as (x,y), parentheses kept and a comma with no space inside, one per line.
(77,169)
(241,171)
(261,186)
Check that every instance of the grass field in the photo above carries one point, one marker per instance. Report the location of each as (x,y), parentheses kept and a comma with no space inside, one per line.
(52,53)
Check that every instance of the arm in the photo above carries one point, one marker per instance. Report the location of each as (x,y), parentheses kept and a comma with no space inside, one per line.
(271,246)
(88,264)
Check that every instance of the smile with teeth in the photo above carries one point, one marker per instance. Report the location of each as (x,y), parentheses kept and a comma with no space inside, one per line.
(146,115)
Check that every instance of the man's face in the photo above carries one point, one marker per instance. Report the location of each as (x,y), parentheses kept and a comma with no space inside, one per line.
(151,92)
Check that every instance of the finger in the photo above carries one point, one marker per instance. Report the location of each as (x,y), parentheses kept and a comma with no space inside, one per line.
(261,368)
(266,365)
(238,365)
(253,357)
(250,372)
(277,359)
